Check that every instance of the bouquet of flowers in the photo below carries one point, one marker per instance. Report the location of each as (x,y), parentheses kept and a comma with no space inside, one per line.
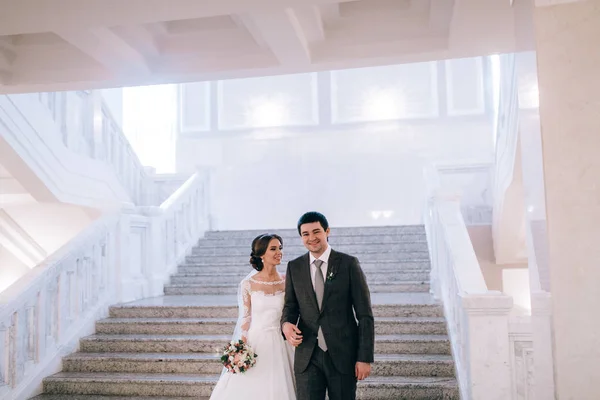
(238,357)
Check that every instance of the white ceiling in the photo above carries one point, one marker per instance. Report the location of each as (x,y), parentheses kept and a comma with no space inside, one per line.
(73,44)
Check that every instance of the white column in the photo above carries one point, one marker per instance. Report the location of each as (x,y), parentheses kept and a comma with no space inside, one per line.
(569,84)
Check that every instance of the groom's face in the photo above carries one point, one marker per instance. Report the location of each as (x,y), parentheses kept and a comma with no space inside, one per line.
(314,237)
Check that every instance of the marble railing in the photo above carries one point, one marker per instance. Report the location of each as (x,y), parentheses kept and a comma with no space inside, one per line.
(113,147)
(85,125)
(477,319)
(121,257)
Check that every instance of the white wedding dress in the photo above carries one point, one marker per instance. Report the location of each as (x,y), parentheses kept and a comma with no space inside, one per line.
(272,377)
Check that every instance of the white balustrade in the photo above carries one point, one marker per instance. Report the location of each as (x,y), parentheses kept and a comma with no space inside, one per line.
(477,318)
(115,148)
(43,315)
(89,128)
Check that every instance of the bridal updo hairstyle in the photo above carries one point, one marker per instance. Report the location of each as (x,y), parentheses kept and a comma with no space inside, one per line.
(259,248)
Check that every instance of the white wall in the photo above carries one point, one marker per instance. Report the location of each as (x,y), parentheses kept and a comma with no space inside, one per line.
(352,144)
(347,174)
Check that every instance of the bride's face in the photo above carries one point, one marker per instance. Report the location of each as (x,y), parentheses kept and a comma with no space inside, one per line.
(274,253)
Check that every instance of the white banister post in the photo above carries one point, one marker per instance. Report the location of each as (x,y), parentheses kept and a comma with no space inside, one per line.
(156,259)
(206,212)
(149,189)
(130,280)
(487,345)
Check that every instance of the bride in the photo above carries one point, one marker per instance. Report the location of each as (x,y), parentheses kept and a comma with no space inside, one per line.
(260,301)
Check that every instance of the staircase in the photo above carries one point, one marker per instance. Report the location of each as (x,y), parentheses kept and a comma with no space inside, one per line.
(165,347)
(395,259)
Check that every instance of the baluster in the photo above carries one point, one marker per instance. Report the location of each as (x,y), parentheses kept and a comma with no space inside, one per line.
(166,236)
(4,356)
(85,277)
(56,313)
(95,278)
(13,350)
(32,330)
(103,265)
(71,297)
(171,239)
(108,140)
(81,285)
(50,321)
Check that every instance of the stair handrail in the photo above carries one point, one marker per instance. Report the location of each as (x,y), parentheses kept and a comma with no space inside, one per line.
(58,298)
(45,313)
(122,157)
(472,311)
(104,139)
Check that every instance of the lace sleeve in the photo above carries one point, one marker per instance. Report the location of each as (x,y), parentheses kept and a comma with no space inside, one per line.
(247,315)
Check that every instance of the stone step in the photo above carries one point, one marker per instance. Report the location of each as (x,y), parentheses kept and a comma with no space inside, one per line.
(209,266)
(225,326)
(407,388)
(335,239)
(231,288)
(197,385)
(101,397)
(335,232)
(229,278)
(184,308)
(206,363)
(298,249)
(372,256)
(387,344)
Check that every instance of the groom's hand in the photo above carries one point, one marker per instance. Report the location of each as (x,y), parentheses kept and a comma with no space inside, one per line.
(292,334)
(363,370)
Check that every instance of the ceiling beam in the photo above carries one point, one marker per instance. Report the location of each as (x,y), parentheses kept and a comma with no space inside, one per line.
(30,16)
(140,38)
(109,49)
(398,49)
(311,22)
(330,12)
(281,33)
(7,59)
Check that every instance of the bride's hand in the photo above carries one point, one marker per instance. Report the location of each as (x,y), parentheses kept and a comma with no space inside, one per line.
(292,334)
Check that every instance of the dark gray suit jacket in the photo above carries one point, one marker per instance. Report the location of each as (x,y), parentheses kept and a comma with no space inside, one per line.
(349,339)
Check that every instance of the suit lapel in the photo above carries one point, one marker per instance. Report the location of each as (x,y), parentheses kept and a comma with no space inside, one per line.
(308,280)
(332,266)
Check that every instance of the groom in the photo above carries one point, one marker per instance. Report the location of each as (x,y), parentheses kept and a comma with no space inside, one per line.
(327,296)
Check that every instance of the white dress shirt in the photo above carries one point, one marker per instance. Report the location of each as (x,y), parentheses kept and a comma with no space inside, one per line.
(313,269)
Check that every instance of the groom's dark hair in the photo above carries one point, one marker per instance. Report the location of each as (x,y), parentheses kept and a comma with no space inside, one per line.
(310,217)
